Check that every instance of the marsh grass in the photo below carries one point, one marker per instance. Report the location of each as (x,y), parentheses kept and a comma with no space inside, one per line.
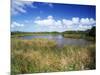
(43,55)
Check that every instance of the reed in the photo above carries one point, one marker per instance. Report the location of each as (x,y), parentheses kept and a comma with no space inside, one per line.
(43,55)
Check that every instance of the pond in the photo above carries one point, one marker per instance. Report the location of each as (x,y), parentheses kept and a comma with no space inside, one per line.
(60,40)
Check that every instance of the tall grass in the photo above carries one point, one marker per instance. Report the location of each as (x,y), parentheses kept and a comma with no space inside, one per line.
(43,55)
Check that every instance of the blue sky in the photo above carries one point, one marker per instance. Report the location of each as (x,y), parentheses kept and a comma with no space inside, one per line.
(39,16)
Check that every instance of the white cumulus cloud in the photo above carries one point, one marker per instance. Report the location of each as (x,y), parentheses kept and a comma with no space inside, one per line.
(75,23)
(87,21)
(16,24)
(75,20)
(48,21)
(67,22)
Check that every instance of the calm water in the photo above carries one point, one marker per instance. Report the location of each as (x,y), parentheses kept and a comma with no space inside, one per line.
(61,41)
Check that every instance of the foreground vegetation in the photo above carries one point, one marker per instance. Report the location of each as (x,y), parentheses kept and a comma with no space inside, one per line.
(43,55)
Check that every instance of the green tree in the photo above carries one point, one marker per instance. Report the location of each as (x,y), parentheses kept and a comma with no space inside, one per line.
(92,32)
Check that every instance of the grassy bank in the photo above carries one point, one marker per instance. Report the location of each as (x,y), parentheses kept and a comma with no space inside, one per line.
(17,34)
(43,55)
(79,36)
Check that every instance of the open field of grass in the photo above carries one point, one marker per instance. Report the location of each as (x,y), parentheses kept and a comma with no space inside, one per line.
(43,55)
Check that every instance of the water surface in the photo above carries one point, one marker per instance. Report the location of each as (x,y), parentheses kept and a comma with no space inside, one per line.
(61,41)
